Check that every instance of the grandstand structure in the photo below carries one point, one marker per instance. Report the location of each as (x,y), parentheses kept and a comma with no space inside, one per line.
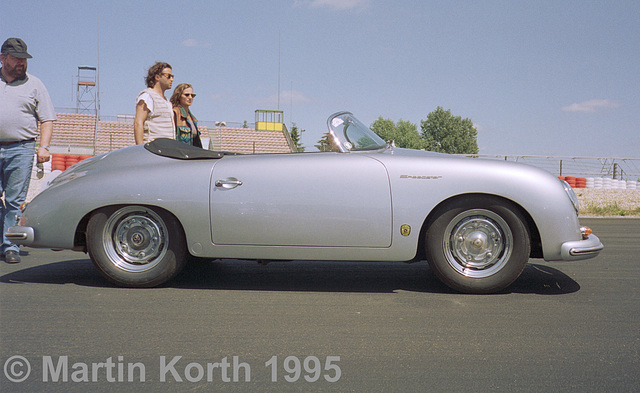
(84,134)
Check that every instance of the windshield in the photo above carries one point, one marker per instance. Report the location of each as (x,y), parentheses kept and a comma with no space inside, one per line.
(349,134)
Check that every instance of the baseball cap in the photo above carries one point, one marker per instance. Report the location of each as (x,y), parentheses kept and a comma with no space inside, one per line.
(16,48)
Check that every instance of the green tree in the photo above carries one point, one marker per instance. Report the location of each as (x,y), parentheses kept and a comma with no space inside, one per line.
(295,136)
(443,132)
(403,134)
(385,129)
(326,143)
(409,136)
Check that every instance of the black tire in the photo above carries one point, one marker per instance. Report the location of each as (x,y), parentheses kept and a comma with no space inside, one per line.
(136,246)
(478,245)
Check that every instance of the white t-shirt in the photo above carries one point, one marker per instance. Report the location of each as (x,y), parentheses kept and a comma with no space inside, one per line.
(147,100)
(159,122)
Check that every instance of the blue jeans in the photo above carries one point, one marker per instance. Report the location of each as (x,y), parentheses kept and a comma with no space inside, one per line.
(16,162)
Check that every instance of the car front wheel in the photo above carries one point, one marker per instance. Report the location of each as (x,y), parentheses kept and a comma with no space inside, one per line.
(478,245)
(136,246)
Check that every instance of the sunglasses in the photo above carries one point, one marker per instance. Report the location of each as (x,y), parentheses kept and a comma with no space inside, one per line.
(189,95)
(169,76)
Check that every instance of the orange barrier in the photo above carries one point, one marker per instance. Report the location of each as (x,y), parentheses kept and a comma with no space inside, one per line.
(61,162)
(575,182)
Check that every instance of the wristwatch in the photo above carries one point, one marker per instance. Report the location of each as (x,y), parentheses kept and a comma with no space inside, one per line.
(45,147)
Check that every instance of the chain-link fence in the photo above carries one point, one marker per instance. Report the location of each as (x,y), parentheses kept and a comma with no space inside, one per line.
(613,168)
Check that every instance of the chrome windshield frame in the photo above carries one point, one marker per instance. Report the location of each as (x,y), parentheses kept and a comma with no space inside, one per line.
(341,140)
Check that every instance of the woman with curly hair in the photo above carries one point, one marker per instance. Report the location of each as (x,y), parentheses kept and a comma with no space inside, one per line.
(186,122)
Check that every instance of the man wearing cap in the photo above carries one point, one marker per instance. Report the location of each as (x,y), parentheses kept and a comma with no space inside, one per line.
(24,101)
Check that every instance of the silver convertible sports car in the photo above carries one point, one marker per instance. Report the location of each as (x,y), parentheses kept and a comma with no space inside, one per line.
(142,212)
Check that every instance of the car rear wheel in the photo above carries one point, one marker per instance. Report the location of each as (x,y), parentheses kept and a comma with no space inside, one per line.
(478,245)
(136,246)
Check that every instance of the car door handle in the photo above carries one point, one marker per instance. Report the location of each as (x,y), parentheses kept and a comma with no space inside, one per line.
(228,183)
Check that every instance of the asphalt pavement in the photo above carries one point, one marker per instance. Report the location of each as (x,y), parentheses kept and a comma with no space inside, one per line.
(238,326)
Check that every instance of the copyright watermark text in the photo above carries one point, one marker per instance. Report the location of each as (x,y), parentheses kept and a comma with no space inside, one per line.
(174,369)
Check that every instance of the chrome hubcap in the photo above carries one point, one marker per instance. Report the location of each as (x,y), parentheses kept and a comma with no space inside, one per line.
(135,238)
(478,243)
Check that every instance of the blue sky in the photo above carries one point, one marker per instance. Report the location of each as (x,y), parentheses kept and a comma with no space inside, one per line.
(536,77)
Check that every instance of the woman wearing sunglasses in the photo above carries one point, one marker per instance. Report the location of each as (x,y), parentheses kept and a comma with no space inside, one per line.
(186,122)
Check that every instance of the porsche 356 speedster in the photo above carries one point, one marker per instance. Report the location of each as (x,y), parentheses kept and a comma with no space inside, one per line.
(142,212)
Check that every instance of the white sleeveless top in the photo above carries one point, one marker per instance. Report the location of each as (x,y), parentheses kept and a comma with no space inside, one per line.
(159,122)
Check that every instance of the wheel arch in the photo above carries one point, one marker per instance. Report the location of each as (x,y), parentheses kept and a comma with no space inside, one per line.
(80,237)
(534,232)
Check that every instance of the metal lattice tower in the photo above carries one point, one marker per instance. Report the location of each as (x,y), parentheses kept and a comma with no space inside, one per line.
(86,101)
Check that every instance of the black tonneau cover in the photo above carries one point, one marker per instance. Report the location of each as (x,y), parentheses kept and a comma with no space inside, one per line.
(173,149)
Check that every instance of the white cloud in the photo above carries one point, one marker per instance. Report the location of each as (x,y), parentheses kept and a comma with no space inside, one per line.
(591,106)
(294,96)
(192,42)
(286,99)
(337,5)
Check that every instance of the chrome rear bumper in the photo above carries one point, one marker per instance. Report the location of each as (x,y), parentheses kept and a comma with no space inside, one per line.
(23,236)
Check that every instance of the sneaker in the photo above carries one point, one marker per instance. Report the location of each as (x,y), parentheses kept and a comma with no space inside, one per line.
(12,256)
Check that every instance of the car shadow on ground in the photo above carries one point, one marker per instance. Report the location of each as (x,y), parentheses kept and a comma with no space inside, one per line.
(312,276)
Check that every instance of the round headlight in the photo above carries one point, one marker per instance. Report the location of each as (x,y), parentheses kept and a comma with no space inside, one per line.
(572,195)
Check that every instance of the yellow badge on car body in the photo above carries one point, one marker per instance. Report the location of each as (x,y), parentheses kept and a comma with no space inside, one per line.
(405,230)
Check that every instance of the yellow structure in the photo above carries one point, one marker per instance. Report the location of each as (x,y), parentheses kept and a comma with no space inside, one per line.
(269,120)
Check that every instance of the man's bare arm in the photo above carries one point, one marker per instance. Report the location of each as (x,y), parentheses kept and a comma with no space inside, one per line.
(138,123)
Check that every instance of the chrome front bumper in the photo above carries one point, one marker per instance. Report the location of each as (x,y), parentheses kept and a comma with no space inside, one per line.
(581,249)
